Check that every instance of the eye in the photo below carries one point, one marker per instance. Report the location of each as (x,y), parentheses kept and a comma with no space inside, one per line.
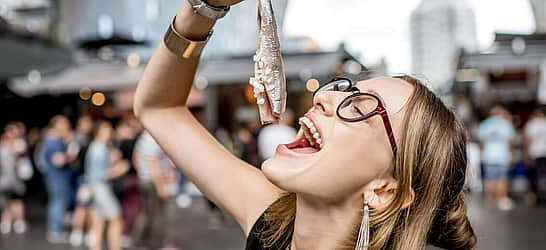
(356,110)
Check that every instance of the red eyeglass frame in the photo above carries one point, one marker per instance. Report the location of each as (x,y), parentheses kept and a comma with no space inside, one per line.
(379,109)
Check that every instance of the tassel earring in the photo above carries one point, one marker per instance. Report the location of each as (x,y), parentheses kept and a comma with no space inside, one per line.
(364,233)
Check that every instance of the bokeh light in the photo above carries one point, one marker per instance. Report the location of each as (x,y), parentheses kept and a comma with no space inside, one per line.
(312,85)
(98,99)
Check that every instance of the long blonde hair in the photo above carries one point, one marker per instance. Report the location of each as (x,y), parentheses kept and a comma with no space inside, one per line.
(432,162)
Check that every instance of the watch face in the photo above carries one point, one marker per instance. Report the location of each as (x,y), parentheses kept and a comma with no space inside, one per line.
(204,9)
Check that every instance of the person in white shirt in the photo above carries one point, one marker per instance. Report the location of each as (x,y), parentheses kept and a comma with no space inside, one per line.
(273,135)
(152,165)
(535,137)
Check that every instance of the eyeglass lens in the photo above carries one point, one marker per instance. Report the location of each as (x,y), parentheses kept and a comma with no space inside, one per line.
(357,106)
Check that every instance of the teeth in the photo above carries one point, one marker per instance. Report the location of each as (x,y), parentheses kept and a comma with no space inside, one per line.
(309,138)
(310,132)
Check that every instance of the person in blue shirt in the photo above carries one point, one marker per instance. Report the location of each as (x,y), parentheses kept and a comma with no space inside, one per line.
(496,134)
(57,175)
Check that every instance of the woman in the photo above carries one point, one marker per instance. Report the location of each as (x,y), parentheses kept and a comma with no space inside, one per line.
(405,164)
(11,183)
(102,164)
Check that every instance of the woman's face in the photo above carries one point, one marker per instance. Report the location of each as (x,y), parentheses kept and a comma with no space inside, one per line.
(352,154)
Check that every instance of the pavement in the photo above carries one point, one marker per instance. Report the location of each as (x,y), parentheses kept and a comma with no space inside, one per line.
(521,228)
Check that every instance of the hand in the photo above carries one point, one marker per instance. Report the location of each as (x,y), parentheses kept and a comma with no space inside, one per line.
(217,3)
(115,155)
(196,27)
(59,160)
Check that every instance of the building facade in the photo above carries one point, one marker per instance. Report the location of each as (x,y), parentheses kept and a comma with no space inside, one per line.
(539,10)
(439,29)
(147,20)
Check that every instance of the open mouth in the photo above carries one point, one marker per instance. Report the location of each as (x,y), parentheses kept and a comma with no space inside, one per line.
(309,140)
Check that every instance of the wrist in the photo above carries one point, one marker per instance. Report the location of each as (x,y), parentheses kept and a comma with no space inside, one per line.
(192,25)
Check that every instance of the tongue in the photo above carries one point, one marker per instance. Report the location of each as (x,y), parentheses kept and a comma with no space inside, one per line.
(305,150)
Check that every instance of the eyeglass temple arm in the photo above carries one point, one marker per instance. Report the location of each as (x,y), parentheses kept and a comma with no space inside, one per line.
(389,130)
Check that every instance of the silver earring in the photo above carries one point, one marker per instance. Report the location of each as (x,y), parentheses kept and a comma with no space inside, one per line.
(364,233)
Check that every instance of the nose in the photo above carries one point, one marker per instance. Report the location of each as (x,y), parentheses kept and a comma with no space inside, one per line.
(323,102)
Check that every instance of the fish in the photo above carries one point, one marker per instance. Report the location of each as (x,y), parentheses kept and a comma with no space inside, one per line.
(269,79)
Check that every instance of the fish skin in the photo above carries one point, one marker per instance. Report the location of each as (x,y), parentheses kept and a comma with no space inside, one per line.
(269,67)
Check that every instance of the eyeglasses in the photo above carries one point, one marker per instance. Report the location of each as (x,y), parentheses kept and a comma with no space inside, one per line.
(359,106)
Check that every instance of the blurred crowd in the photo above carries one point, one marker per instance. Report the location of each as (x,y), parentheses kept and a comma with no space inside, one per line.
(507,158)
(108,182)
(101,182)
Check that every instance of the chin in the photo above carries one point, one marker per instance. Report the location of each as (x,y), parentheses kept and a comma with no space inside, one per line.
(272,172)
(286,173)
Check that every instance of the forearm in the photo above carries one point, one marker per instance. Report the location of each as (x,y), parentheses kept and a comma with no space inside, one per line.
(167,79)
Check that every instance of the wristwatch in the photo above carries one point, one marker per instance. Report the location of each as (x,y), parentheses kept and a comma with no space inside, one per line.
(202,8)
(181,46)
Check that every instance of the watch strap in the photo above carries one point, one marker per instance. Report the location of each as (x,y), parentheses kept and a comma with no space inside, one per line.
(181,46)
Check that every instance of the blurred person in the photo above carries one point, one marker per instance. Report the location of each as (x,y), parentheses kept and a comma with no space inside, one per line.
(392,159)
(82,217)
(83,195)
(33,138)
(104,163)
(126,186)
(496,134)
(54,158)
(11,182)
(474,173)
(152,167)
(246,144)
(535,140)
(273,135)
(84,129)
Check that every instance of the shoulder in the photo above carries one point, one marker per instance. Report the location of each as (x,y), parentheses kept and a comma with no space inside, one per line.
(265,131)
(96,148)
(53,144)
(261,225)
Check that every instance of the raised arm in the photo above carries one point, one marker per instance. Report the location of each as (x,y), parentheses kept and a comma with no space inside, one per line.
(160,104)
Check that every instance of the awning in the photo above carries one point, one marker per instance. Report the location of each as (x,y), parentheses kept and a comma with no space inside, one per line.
(237,70)
(111,76)
(96,76)
(20,54)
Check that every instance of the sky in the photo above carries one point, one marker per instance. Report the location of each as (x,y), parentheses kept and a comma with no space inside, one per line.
(373,29)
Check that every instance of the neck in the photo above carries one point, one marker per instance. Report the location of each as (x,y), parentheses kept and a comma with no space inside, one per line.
(322,226)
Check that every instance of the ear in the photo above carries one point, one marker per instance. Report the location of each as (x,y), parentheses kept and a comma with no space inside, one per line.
(380,192)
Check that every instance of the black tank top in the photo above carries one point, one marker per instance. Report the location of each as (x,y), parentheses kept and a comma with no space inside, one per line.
(253,240)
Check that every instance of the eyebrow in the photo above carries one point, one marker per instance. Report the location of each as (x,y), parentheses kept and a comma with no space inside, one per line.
(375,93)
